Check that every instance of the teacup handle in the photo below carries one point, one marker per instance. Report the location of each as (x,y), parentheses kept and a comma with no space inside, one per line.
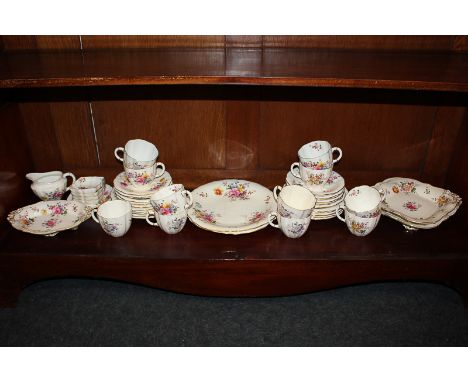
(161,166)
(294,168)
(148,213)
(117,155)
(340,154)
(93,215)
(69,174)
(338,212)
(272,216)
(188,195)
(276,191)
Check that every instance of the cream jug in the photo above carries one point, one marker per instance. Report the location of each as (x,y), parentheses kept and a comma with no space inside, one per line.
(49,185)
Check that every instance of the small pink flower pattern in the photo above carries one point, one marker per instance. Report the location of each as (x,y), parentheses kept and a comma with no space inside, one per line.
(168,208)
(257,216)
(320,165)
(50,223)
(237,190)
(411,206)
(204,215)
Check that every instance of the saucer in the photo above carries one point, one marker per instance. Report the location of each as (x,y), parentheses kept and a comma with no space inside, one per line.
(333,185)
(122,184)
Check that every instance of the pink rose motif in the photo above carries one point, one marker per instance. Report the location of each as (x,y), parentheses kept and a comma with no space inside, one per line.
(50,223)
(57,209)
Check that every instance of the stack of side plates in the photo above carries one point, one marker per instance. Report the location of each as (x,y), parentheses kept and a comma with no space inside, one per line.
(139,197)
(329,196)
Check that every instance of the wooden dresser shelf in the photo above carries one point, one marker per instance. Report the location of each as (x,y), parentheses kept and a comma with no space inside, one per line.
(264,263)
(293,67)
(69,109)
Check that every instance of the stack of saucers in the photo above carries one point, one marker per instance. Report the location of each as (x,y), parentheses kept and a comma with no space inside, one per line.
(139,197)
(329,195)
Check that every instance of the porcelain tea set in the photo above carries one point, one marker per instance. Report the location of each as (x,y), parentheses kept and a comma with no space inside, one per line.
(312,191)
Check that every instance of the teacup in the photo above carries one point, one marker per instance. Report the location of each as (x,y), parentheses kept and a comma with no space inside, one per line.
(291,227)
(138,154)
(142,177)
(170,205)
(315,162)
(139,162)
(312,178)
(51,186)
(294,201)
(318,155)
(114,216)
(362,208)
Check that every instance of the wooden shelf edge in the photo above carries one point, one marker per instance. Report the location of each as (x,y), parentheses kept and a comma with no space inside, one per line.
(234,66)
(259,81)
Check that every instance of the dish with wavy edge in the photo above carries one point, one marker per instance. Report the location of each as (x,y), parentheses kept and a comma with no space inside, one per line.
(416,204)
(48,218)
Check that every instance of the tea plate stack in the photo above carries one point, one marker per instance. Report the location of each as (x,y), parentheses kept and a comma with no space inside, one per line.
(329,195)
(139,197)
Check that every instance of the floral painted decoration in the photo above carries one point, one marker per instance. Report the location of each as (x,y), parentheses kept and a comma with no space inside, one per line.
(237,190)
(332,178)
(53,195)
(316,146)
(297,228)
(110,228)
(159,184)
(411,206)
(257,216)
(316,179)
(359,228)
(320,165)
(204,215)
(404,187)
(140,178)
(167,208)
(177,224)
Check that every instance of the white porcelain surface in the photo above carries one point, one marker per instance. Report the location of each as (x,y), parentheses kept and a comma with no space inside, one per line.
(290,226)
(417,204)
(364,200)
(49,217)
(231,206)
(294,201)
(114,216)
(137,152)
(51,186)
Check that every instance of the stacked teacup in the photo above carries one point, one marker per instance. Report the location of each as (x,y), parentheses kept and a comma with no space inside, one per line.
(170,205)
(88,190)
(362,208)
(314,171)
(143,175)
(295,206)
